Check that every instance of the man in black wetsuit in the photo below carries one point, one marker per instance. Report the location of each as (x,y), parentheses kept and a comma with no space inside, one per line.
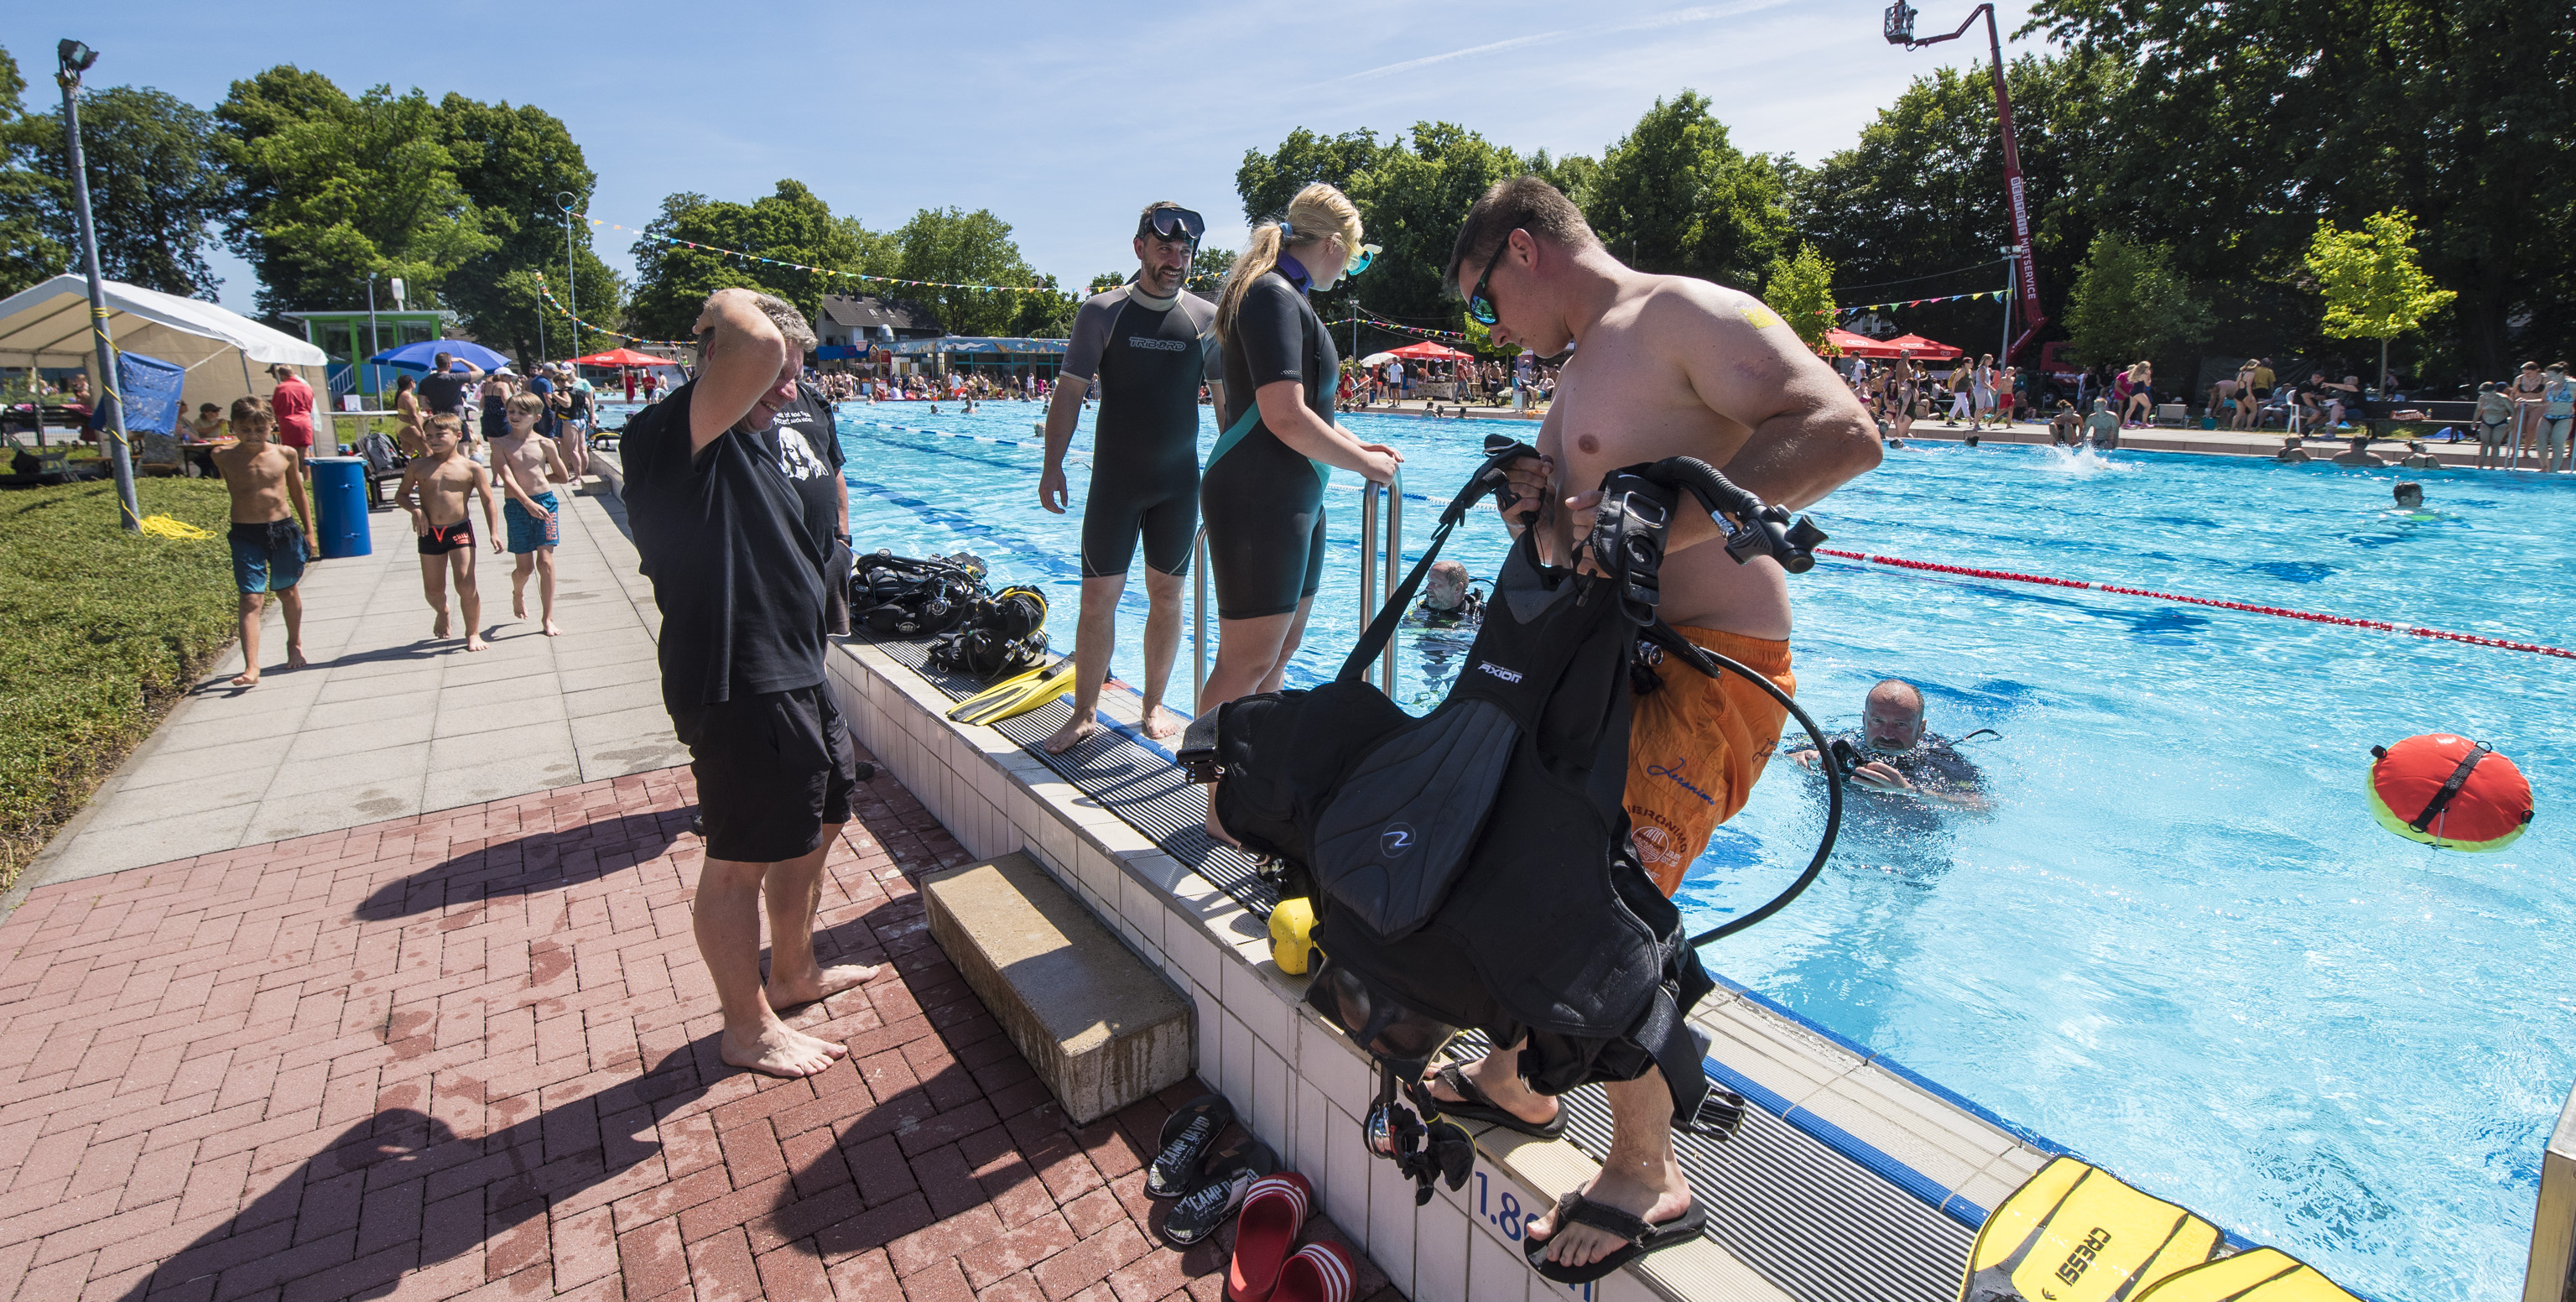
(1147,345)
(1895,752)
(736,560)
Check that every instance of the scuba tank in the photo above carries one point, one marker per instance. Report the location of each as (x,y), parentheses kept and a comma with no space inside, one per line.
(1472,868)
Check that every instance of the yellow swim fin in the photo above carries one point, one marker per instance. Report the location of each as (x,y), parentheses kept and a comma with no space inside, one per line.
(2074,1233)
(2261,1275)
(1017,696)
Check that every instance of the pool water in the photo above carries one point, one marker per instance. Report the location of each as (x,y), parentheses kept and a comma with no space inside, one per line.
(2177,944)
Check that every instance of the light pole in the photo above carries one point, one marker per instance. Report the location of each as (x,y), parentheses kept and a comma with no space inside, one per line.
(1898,27)
(374,345)
(572,299)
(74,59)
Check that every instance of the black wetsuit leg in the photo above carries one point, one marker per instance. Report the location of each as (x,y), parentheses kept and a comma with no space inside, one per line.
(1123,503)
(1264,507)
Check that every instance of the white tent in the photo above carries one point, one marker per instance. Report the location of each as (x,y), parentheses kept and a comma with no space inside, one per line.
(49,326)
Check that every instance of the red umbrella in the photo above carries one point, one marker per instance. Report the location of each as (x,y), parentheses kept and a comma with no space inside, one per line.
(1858,345)
(1427,351)
(1926,348)
(623,357)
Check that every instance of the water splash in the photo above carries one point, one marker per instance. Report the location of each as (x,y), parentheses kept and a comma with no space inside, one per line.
(2083,463)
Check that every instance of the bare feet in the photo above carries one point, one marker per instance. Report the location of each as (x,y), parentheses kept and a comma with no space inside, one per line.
(780,1051)
(474,641)
(1659,1195)
(439,629)
(295,656)
(519,603)
(1495,1077)
(824,984)
(1076,730)
(247,678)
(1161,723)
(551,630)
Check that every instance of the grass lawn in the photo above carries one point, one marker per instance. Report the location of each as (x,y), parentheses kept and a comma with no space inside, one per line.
(100,631)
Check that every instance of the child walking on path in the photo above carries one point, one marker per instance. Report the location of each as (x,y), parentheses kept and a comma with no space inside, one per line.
(434,489)
(529,464)
(272,533)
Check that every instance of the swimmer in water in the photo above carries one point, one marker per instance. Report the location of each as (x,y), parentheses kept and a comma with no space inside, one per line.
(1896,753)
(1447,601)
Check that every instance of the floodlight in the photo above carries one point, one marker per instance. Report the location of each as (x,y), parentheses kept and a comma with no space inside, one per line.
(75,56)
(1899,24)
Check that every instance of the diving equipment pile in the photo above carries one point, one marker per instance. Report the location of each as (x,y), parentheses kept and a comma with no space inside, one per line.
(1472,868)
(2075,1233)
(1003,635)
(901,596)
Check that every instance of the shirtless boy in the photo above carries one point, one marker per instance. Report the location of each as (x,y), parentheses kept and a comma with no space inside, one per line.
(528,464)
(266,480)
(434,489)
(1668,366)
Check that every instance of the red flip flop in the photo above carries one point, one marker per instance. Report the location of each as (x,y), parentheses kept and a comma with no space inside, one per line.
(1274,1210)
(1320,1272)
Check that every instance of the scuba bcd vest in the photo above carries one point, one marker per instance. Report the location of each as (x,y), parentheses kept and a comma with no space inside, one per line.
(999,636)
(1472,868)
(900,596)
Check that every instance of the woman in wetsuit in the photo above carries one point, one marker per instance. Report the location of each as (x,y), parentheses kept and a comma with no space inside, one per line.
(1262,494)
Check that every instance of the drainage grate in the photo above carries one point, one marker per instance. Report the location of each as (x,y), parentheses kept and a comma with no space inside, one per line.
(1130,775)
(1809,1218)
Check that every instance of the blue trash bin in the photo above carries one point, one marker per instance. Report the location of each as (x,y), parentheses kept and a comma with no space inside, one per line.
(340,506)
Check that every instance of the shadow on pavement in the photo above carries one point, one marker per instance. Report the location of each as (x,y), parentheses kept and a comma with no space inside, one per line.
(538,861)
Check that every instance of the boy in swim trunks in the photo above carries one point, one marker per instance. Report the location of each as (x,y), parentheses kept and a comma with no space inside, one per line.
(434,489)
(266,480)
(1668,366)
(529,464)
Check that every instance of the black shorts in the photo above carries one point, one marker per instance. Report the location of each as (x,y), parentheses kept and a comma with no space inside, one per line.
(772,771)
(444,538)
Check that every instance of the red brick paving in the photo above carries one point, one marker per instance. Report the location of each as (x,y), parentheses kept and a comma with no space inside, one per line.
(472,1054)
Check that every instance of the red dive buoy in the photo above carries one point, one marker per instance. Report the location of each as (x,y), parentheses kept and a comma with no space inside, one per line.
(2449,792)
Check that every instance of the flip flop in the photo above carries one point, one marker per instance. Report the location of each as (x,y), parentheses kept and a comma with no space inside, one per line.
(1642,1237)
(1477,1107)
(1274,1209)
(1320,1272)
(1230,1172)
(1188,1135)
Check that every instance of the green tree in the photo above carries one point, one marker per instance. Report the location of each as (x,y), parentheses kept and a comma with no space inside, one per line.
(1105,281)
(1801,290)
(765,246)
(1411,201)
(1674,195)
(2129,302)
(155,184)
(331,188)
(953,247)
(2241,129)
(2371,283)
(513,163)
(27,254)
(1266,182)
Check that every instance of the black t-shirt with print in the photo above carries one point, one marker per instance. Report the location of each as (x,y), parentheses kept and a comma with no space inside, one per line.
(807,450)
(443,392)
(735,570)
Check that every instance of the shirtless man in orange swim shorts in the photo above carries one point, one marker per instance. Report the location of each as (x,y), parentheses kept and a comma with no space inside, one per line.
(1662,366)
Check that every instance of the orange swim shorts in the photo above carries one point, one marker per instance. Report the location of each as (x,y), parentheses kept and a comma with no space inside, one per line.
(1696,747)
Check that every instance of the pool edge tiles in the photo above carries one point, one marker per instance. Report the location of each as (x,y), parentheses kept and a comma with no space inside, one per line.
(1300,1085)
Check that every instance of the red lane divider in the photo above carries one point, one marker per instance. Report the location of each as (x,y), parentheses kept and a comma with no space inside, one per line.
(2282,611)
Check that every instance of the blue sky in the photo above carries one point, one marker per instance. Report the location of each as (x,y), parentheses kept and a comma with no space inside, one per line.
(1062,119)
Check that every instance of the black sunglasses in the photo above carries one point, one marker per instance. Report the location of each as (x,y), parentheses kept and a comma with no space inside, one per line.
(1173,224)
(1479,305)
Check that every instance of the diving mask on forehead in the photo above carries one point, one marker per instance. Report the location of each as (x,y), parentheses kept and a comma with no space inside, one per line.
(1173,224)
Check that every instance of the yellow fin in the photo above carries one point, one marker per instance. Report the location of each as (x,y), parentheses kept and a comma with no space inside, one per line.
(2259,1275)
(2075,1233)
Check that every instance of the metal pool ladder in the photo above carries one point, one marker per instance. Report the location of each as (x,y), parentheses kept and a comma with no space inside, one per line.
(1373,544)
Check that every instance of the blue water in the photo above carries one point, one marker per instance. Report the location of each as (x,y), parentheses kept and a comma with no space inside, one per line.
(2178,944)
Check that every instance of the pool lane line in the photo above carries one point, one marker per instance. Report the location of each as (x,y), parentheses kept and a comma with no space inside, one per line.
(1033,443)
(2283,612)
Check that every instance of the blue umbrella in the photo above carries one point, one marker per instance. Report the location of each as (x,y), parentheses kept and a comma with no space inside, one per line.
(417,357)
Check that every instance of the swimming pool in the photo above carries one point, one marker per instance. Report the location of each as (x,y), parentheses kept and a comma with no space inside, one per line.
(2178,944)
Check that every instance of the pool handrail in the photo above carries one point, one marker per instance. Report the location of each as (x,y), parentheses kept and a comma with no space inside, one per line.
(1394,572)
(2553,1222)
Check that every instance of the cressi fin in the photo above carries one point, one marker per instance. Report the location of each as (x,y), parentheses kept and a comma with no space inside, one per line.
(2074,1233)
(2261,1275)
(1017,696)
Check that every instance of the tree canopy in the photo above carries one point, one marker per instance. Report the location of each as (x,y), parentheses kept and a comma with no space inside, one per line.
(154,185)
(2128,302)
(28,254)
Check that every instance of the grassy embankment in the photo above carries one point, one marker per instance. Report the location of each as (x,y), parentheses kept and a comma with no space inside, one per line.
(100,632)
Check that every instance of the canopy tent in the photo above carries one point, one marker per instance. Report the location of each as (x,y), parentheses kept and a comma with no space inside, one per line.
(421,355)
(1913,346)
(623,358)
(1922,349)
(1427,351)
(48,325)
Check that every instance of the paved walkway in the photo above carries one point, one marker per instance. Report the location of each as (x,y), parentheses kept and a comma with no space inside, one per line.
(387,721)
(473,1053)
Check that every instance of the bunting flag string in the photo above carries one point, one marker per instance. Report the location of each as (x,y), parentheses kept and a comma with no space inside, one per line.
(820,271)
(1369,318)
(1995,294)
(549,294)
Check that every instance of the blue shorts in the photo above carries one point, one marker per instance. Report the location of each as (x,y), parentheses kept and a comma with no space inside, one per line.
(526,535)
(267,557)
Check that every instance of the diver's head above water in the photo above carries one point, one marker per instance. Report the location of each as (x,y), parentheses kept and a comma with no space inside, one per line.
(2409,493)
(1892,718)
(1445,588)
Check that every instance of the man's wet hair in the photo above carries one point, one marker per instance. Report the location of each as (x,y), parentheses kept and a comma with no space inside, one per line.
(1521,203)
(2408,487)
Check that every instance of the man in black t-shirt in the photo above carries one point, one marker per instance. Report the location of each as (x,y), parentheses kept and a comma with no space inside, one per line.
(807,447)
(737,563)
(442,391)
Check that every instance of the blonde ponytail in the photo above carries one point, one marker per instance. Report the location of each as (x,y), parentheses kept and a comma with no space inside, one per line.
(1318,213)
